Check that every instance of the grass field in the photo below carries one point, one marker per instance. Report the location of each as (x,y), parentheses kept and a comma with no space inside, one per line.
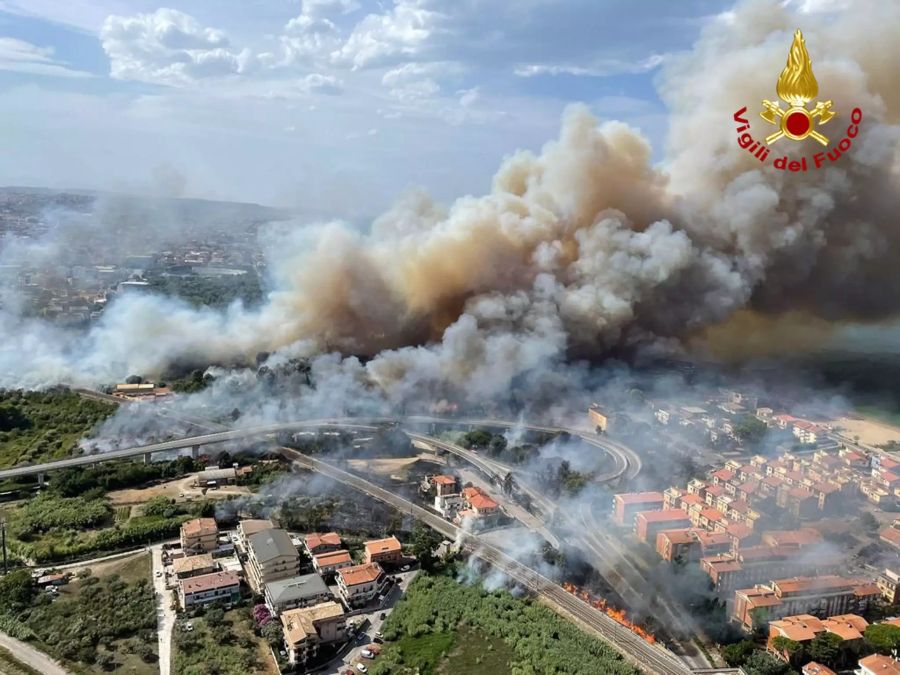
(475,653)
(9,665)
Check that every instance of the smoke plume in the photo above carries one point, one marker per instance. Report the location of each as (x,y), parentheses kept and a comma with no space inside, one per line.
(579,250)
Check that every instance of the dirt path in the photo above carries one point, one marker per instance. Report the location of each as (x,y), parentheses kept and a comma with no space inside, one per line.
(180,489)
(31,657)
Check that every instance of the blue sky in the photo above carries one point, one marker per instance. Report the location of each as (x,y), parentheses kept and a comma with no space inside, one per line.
(335,106)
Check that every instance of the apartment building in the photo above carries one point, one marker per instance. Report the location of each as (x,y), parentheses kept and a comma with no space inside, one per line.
(358,584)
(271,555)
(200,535)
(294,592)
(628,504)
(305,629)
(384,551)
(208,588)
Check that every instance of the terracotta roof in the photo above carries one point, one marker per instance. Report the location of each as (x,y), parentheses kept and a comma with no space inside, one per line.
(739,530)
(443,480)
(314,541)
(848,626)
(883,665)
(360,574)
(639,497)
(820,583)
(801,627)
(199,526)
(662,516)
(708,539)
(813,668)
(332,558)
(208,582)
(801,537)
(712,514)
(691,499)
(470,492)
(723,474)
(891,535)
(715,490)
(482,503)
(389,545)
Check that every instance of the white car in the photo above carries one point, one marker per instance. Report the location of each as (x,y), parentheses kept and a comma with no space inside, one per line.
(361,667)
(367,654)
(405,568)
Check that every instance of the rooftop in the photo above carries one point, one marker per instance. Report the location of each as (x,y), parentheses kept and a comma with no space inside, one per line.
(883,665)
(254,525)
(199,527)
(801,627)
(813,668)
(271,544)
(662,516)
(299,624)
(388,545)
(482,502)
(296,588)
(683,536)
(443,480)
(192,563)
(332,558)
(360,574)
(208,582)
(848,626)
(313,541)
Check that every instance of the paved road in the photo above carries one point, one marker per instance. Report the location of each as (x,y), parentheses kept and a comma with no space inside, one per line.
(651,658)
(165,615)
(24,652)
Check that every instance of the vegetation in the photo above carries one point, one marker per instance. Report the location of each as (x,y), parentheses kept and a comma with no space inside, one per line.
(736,654)
(561,477)
(221,642)
(95,624)
(762,663)
(424,541)
(118,475)
(51,528)
(210,291)
(750,429)
(436,611)
(883,637)
(40,426)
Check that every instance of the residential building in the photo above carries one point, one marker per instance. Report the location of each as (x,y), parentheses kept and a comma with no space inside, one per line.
(251,526)
(200,535)
(891,535)
(597,418)
(328,563)
(322,543)
(813,668)
(823,595)
(194,565)
(444,485)
(384,551)
(647,524)
(888,583)
(358,584)
(448,505)
(271,555)
(627,505)
(207,588)
(214,477)
(306,628)
(681,545)
(302,591)
(878,664)
(803,628)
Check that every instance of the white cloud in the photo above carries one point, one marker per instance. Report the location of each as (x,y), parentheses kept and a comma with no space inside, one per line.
(316,83)
(325,8)
(604,68)
(168,47)
(23,57)
(308,38)
(381,39)
(413,81)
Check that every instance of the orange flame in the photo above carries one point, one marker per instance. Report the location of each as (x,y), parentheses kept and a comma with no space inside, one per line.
(617,615)
(797,85)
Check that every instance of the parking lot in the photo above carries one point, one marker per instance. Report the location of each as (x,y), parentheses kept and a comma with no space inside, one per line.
(370,624)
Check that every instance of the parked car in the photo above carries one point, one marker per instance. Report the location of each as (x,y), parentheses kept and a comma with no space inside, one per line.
(405,568)
(367,654)
(378,640)
(361,667)
(379,635)
(383,616)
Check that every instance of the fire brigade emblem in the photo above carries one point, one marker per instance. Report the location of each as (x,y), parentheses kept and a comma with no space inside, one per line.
(797,86)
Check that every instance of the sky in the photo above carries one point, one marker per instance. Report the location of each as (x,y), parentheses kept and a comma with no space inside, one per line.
(331,106)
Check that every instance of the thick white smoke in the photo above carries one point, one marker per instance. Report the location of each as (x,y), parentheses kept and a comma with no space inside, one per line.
(580,249)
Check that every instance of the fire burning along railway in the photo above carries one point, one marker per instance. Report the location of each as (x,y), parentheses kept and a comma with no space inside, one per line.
(618,615)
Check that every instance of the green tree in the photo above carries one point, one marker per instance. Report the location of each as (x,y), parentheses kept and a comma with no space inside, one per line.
(273,634)
(883,637)
(16,591)
(736,654)
(825,648)
(792,648)
(762,663)
(215,617)
(868,522)
(424,540)
(750,429)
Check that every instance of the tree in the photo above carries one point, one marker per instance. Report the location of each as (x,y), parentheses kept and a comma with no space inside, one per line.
(750,429)
(134,379)
(884,637)
(497,445)
(424,541)
(792,648)
(16,590)
(273,634)
(736,654)
(868,522)
(215,617)
(762,663)
(825,648)
(508,483)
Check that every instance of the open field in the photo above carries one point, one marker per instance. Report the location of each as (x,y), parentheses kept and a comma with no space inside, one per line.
(173,489)
(870,431)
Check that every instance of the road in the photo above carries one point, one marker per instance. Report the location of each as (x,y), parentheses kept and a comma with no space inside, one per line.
(31,657)
(652,658)
(165,615)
